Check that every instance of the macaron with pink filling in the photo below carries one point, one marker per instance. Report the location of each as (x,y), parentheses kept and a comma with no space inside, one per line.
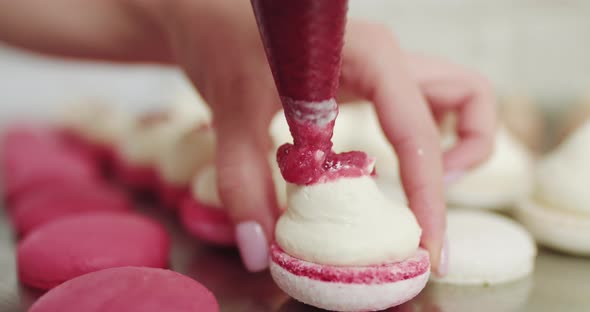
(54,203)
(72,246)
(344,245)
(203,215)
(129,289)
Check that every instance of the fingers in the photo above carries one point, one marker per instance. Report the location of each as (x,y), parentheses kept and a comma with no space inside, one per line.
(408,125)
(448,87)
(245,181)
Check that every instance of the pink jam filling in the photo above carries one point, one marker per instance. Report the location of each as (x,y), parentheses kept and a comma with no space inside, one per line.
(377,274)
(303,41)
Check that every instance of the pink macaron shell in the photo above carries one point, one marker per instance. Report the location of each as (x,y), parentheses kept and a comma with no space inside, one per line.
(355,288)
(129,289)
(34,211)
(137,178)
(207,223)
(79,190)
(172,195)
(101,154)
(72,246)
(23,133)
(33,171)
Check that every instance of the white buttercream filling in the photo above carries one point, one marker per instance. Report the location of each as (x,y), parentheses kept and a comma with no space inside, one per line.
(346,222)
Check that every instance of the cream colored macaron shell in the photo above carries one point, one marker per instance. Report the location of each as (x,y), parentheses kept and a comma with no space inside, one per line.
(558,215)
(500,182)
(486,249)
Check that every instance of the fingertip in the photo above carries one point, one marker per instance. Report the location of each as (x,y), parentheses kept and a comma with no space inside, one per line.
(253,245)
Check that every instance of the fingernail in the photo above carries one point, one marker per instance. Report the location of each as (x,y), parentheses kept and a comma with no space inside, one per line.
(443,265)
(452,177)
(253,246)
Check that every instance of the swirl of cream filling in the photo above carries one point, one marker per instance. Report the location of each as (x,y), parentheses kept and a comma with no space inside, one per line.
(563,176)
(347,222)
(183,156)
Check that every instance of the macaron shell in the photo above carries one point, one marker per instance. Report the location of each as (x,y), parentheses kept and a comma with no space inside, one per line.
(129,289)
(171,195)
(34,211)
(76,245)
(83,189)
(486,249)
(138,178)
(560,230)
(371,288)
(209,224)
(29,171)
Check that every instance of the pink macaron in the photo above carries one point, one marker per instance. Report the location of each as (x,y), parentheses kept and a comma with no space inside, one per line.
(360,288)
(34,169)
(137,178)
(207,223)
(58,201)
(72,246)
(172,196)
(101,154)
(129,289)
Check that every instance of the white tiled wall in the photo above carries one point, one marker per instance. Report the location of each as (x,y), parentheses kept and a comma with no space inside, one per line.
(539,47)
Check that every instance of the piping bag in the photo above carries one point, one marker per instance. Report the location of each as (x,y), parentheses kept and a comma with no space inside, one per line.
(303,41)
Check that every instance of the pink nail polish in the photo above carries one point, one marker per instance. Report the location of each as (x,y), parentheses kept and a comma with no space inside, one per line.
(443,266)
(452,177)
(253,246)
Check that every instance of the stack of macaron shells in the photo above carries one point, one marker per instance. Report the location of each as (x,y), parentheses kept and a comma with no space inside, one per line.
(72,223)
(37,213)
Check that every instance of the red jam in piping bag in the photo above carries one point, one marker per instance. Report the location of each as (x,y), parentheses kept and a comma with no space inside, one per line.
(303,40)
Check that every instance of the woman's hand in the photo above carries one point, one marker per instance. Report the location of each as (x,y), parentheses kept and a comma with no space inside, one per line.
(218,45)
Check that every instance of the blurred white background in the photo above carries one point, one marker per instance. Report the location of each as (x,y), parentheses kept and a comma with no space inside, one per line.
(539,48)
